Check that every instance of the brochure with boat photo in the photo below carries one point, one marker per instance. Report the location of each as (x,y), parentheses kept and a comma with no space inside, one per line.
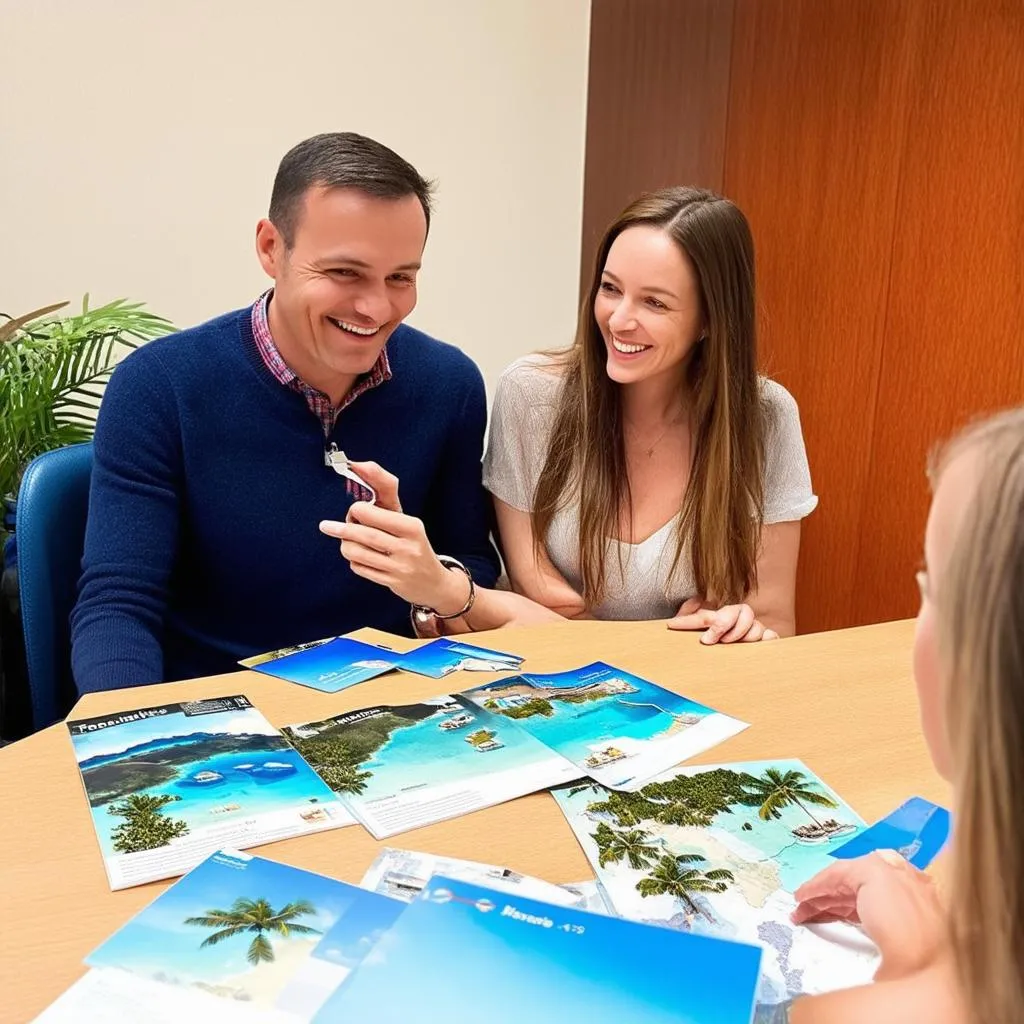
(398,767)
(169,785)
(441,657)
(619,729)
(719,850)
(542,963)
(329,666)
(240,929)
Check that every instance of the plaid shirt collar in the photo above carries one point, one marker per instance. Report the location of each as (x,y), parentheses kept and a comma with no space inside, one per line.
(319,404)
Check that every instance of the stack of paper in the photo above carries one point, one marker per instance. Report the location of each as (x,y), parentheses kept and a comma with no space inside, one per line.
(243,939)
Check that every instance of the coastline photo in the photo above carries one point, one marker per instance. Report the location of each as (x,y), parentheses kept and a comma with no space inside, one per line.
(397,767)
(618,728)
(166,786)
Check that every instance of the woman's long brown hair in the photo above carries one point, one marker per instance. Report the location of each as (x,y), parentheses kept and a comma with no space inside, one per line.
(586,458)
(980,624)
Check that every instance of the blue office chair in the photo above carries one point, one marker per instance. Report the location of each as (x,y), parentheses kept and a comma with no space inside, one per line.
(50,529)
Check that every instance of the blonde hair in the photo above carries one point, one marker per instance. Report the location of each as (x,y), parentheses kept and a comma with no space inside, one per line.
(980,623)
(722,511)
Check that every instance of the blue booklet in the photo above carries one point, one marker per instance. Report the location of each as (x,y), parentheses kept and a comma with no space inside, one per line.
(541,963)
(440,657)
(617,728)
(330,666)
(274,938)
(917,829)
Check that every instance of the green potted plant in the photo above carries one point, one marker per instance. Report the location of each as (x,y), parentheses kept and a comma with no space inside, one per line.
(52,373)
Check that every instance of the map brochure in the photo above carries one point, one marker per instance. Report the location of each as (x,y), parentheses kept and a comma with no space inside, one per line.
(917,829)
(169,785)
(542,963)
(330,666)
(237,938)
(718,850)
(619,729)
(398,767)
(440,657)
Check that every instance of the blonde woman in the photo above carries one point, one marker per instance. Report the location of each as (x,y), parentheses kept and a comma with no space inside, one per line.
(961,963)
(648,471)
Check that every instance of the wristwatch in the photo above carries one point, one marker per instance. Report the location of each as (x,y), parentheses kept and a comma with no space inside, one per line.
(425,621)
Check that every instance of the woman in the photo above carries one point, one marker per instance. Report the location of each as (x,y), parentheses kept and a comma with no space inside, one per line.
(964,963)
(648,472)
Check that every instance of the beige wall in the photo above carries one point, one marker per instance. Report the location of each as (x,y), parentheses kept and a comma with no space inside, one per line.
(138,144)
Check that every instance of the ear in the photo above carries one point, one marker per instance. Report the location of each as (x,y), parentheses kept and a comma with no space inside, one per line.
(270,248)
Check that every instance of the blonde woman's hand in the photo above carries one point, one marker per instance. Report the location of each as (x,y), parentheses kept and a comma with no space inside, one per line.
(732,623)
(897,906)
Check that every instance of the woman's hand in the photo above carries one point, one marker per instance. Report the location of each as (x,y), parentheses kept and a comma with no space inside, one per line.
(733,623)
(897,906)
(385,545)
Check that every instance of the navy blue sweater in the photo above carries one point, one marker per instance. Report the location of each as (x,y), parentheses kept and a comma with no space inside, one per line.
(209,481)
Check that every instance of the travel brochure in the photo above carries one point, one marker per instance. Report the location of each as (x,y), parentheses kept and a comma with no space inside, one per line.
(441,657)
(401,766)
(718,850)
(617,728)
(336,663)
(546,963)
(236,931)
(330,666)
(402,875)
(169,785)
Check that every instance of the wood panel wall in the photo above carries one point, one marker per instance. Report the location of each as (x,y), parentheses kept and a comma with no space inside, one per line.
(660,127)
(877,147)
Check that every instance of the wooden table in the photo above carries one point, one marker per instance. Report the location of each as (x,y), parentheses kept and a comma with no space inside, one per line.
(843,702)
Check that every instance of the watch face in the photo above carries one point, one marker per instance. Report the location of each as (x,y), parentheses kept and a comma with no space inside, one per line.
(424,622)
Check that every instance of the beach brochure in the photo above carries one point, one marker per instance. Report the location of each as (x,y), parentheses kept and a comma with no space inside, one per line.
(440,657)
(238,937)
(402,874)
(718,850)
(542,963)
(917,829)
(169,785)
(328,666)
(398,767)
(619,729)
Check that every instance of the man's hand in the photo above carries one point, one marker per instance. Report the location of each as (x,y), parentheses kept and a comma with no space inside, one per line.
(386,546)
(897,906)
(733,623)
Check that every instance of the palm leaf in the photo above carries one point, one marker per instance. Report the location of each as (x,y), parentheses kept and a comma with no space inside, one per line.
(260,949)
(224,933)
(52,374)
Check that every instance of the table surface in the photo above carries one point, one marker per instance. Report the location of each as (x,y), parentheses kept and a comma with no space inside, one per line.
(842,702)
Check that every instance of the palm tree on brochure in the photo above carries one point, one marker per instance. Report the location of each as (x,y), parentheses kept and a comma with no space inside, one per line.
(256,916)
(612,846)
(775,790)
(145,826)
(671,878)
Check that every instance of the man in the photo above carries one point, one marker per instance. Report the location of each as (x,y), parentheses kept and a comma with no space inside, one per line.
(212,446)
